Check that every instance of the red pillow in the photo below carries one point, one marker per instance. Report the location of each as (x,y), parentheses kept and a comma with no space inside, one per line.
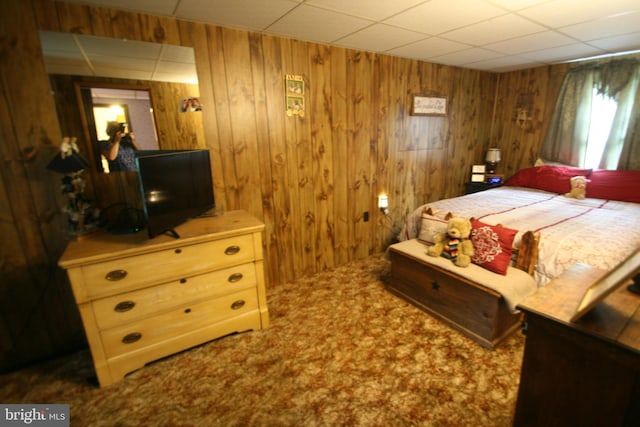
(614,185)
(492,246)
(555,179)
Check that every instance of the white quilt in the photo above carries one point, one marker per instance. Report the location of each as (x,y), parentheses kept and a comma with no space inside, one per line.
(597,232)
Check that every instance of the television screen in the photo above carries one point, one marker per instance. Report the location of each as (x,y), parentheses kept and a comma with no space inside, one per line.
(175,186)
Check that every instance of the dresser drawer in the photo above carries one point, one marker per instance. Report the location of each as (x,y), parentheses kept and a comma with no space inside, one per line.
(136,335)
(128,307)
(136,272)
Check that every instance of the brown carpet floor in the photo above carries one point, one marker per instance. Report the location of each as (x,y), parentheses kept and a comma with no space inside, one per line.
(340,351)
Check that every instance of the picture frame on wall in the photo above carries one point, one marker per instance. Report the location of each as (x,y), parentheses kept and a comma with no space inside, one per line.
(294,95)
(429,105)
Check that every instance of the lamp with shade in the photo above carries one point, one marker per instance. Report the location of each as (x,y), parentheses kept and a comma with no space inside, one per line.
(492,159)
(383,203)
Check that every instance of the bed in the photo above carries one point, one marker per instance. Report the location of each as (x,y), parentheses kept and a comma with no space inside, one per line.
(600,230)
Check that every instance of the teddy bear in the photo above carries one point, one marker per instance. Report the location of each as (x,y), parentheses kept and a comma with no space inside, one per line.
(455,243)
(578,187)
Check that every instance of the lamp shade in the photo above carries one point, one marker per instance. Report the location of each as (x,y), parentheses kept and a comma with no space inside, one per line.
(383,201)
(68,164)
(493,155)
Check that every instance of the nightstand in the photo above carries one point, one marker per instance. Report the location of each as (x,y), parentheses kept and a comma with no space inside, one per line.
(475,187)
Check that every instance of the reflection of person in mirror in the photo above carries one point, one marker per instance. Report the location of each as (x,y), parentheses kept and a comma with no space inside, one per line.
(120,148)
(190,104)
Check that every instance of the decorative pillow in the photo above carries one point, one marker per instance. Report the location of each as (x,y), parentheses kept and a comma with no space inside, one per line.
(555,179)
(429,227)
(492,246)
(615,185)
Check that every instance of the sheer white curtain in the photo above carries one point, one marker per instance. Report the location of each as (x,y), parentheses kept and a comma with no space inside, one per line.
(568,134)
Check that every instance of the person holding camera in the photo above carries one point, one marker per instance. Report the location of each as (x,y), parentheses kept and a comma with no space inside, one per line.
(120,148)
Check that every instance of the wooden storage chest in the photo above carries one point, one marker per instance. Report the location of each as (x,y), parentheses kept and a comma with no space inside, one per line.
(473,309)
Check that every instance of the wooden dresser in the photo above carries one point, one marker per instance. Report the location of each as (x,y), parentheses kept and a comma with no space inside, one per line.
(142,299)
(583,373)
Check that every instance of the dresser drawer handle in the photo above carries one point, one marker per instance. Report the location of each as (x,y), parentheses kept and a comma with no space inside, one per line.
(235,277)
(132,337)
(123,306)
(435,286)
(232,250)
(116,275)
(238,305)
(178,251)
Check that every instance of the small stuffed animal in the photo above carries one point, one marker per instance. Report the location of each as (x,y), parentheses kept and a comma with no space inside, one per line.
(454,244)
(578,187)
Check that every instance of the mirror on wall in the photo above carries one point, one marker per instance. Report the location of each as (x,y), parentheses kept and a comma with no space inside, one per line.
(104,69)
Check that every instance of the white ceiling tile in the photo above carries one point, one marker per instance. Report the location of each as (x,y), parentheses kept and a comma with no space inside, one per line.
(506,27)
(606,27)
(177,54)
(560,13)
(466,56)
(628,41)
(249,14)
(428,48)
(438,16)
(371,9)
(537,41)
(379,37)
(514,5)
(502,64)
(124,49)
(494,30)
(563,53)
(314,24)
(68,68)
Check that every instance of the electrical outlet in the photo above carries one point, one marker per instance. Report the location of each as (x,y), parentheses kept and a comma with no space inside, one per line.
(366,217)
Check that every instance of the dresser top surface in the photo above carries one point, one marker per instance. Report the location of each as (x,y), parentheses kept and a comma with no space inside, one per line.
(103,245)
(615,319)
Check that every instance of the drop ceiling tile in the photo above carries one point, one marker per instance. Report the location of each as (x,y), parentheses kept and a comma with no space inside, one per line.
(371,9)
(72,68)
(379,37)
(249,14)
(537,41)
(177,54)
(438,16)
(109,62)
(174,77)
(131,50)
(313,24)
(428,48)
(503,64)
(494,30)
(514,5)
(563,53)
(606,27)
(630,42)
(560,13)
(466,56)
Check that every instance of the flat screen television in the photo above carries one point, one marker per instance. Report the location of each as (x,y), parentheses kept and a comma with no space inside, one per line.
(176,186)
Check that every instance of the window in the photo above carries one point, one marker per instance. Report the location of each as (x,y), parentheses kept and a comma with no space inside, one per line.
(603,108)
(596,121)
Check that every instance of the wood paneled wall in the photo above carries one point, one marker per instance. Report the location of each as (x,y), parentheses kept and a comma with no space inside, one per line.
(310,179)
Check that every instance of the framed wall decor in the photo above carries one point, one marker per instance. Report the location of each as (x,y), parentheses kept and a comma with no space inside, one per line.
(429,105)
(294,95)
